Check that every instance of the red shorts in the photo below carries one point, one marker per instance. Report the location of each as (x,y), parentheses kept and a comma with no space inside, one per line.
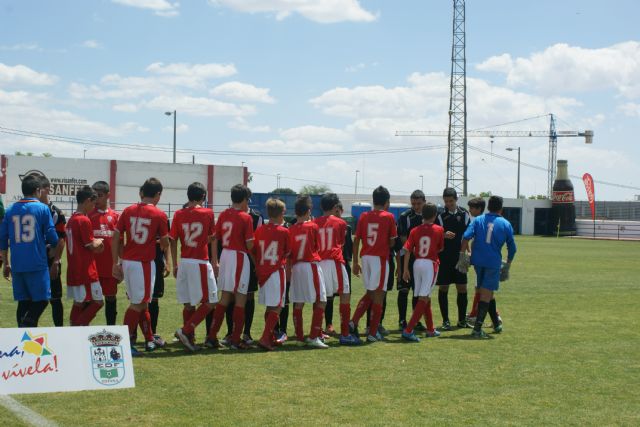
(109,286)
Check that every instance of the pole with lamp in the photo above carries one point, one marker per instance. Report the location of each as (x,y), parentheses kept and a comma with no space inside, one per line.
(518,187)
(169,113)
(422,182)
(356,187)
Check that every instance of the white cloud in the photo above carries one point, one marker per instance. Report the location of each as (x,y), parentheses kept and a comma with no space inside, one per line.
(240,123)
(23,75)
(286,146)
(630,109)
(355,68)
(197,71)
(21,47)
(126,108)
(563,68)
(325,11)
(315,134)
(20,97)
(91,44)
(181,128)
(159,7)
(134,127)
(199,106)
(243,92)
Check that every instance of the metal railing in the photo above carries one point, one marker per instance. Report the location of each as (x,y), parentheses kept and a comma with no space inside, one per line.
(608,230)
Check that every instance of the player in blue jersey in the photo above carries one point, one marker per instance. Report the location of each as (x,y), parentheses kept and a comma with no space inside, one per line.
(26,230)
(489,232)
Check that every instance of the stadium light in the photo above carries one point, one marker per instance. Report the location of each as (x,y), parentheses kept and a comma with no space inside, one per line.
(169,113)
(518,186)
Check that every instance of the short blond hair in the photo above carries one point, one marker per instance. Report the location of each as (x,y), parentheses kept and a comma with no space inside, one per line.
(275,208)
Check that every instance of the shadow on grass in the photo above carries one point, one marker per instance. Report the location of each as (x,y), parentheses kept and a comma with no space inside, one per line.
(468,337)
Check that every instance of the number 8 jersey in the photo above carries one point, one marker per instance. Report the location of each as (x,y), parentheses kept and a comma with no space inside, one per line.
(142,223)
(426,241)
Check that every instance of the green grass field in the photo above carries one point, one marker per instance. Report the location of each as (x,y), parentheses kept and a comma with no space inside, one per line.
(569,355)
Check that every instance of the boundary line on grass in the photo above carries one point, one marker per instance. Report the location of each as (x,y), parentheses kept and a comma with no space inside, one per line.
(25,414)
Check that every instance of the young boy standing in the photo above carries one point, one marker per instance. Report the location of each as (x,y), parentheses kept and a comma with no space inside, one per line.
(425,242)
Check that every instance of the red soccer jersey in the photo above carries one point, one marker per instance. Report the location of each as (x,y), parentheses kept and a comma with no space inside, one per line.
(103,223)
(193,226)
(426,241)
(270,249)
(234,228)
(82,265)
(304,241)
(143,223)
(332,233)
(376,229)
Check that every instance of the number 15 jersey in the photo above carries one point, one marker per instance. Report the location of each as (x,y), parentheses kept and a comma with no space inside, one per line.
(376,229)
(142,222)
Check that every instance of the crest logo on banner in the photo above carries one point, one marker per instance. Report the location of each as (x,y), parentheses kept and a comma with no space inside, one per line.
(106,358)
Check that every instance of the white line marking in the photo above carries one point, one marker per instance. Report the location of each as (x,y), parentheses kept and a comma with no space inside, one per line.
(25,414)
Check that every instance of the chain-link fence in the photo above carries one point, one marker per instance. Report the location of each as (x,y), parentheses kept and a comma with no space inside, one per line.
(625,211)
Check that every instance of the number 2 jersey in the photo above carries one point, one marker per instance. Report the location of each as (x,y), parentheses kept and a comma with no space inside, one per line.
(270,249)
(193,226)
(332,232)
(304,240)
(82,264)
(234,229)
(27,228)
(425,242)
(376,229)
(142,222)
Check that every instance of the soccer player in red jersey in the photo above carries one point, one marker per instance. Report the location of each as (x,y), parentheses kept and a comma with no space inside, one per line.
(333,230)
(235,229)
(141,223)
(83,284)
(271,250)
(307,281)
(194,227)
(104,220)
(377,232)
(425,242)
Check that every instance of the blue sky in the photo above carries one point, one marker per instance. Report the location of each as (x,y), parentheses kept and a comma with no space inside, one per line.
(332,75)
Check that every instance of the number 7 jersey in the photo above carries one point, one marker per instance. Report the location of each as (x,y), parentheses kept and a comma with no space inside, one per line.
(193,226)
(376,229)
(142,223)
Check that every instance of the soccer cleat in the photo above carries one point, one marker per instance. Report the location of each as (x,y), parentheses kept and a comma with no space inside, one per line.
(410,336)
(281,337)
(265,346)
(247,339)
(402,325)
(240,345)
(420,327)
(463,324)
(349,340)
(479,334)
(446,326)
(226,340)
(383,331)
(324,336)
(184,339)
(371,339)
(316,343)
(135,352)
(150,346)
(353,328)
(497,328)
(432,334)
(158,341)
(212,343)
(499,320)
(331,331)
(379,336)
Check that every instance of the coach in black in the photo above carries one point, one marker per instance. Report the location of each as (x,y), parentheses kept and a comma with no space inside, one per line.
(408,220)
(454,220)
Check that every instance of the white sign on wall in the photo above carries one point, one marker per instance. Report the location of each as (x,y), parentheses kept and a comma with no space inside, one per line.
(39,360)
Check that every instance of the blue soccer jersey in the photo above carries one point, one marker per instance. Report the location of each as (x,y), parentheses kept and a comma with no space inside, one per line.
(489,233)
(26,229)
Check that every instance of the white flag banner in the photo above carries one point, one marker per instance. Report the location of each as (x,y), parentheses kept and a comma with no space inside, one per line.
(39,360)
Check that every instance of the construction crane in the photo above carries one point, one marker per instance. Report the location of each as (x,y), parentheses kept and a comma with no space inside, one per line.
(552,134)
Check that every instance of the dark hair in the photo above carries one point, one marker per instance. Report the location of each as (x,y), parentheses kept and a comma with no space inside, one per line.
(450,192)
(418,194)
(303,204)
(381,196)
(339,206)
(240,193)
(151,187)
(196,192)
(101,187)
(429,211)
(329,201)
(85,193)
(30,185)
(275,207)
(495,203)
(477,203)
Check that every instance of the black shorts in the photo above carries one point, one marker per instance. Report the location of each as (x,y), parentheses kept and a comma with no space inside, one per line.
(392,274)
(158,286)
(448,275)
(56,283)
(402,285)
(253,277)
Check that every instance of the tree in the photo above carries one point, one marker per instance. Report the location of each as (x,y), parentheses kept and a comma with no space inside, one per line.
(315,189)
(538,197)
(283,190)
(47,155)
(20,153)
(485,194)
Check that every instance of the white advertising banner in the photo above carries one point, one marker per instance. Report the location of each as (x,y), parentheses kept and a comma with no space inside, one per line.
(40,360)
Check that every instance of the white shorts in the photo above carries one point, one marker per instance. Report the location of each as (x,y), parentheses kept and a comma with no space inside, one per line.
(307,284)
(425,273)
(196,283)
(336,279)
(85,293)
(140,278)
(374,272)
(272,292)
(234,271)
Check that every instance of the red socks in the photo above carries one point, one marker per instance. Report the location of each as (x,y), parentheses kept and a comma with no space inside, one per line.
(345,314)
(238,324)
(418,311)
(197,316)
(297,324)
(145,325)
(474,306)
(428,317)
(271,318)
(316,322)
(187,312)
(218,317)
(76,310)
(89,312)
(131,319)
(361,308)
(376,315)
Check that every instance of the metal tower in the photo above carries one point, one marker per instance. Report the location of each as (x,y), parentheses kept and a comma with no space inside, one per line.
(553,154)
(457,151)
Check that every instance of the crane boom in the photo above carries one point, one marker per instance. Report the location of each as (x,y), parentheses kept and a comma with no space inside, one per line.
(497,133)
